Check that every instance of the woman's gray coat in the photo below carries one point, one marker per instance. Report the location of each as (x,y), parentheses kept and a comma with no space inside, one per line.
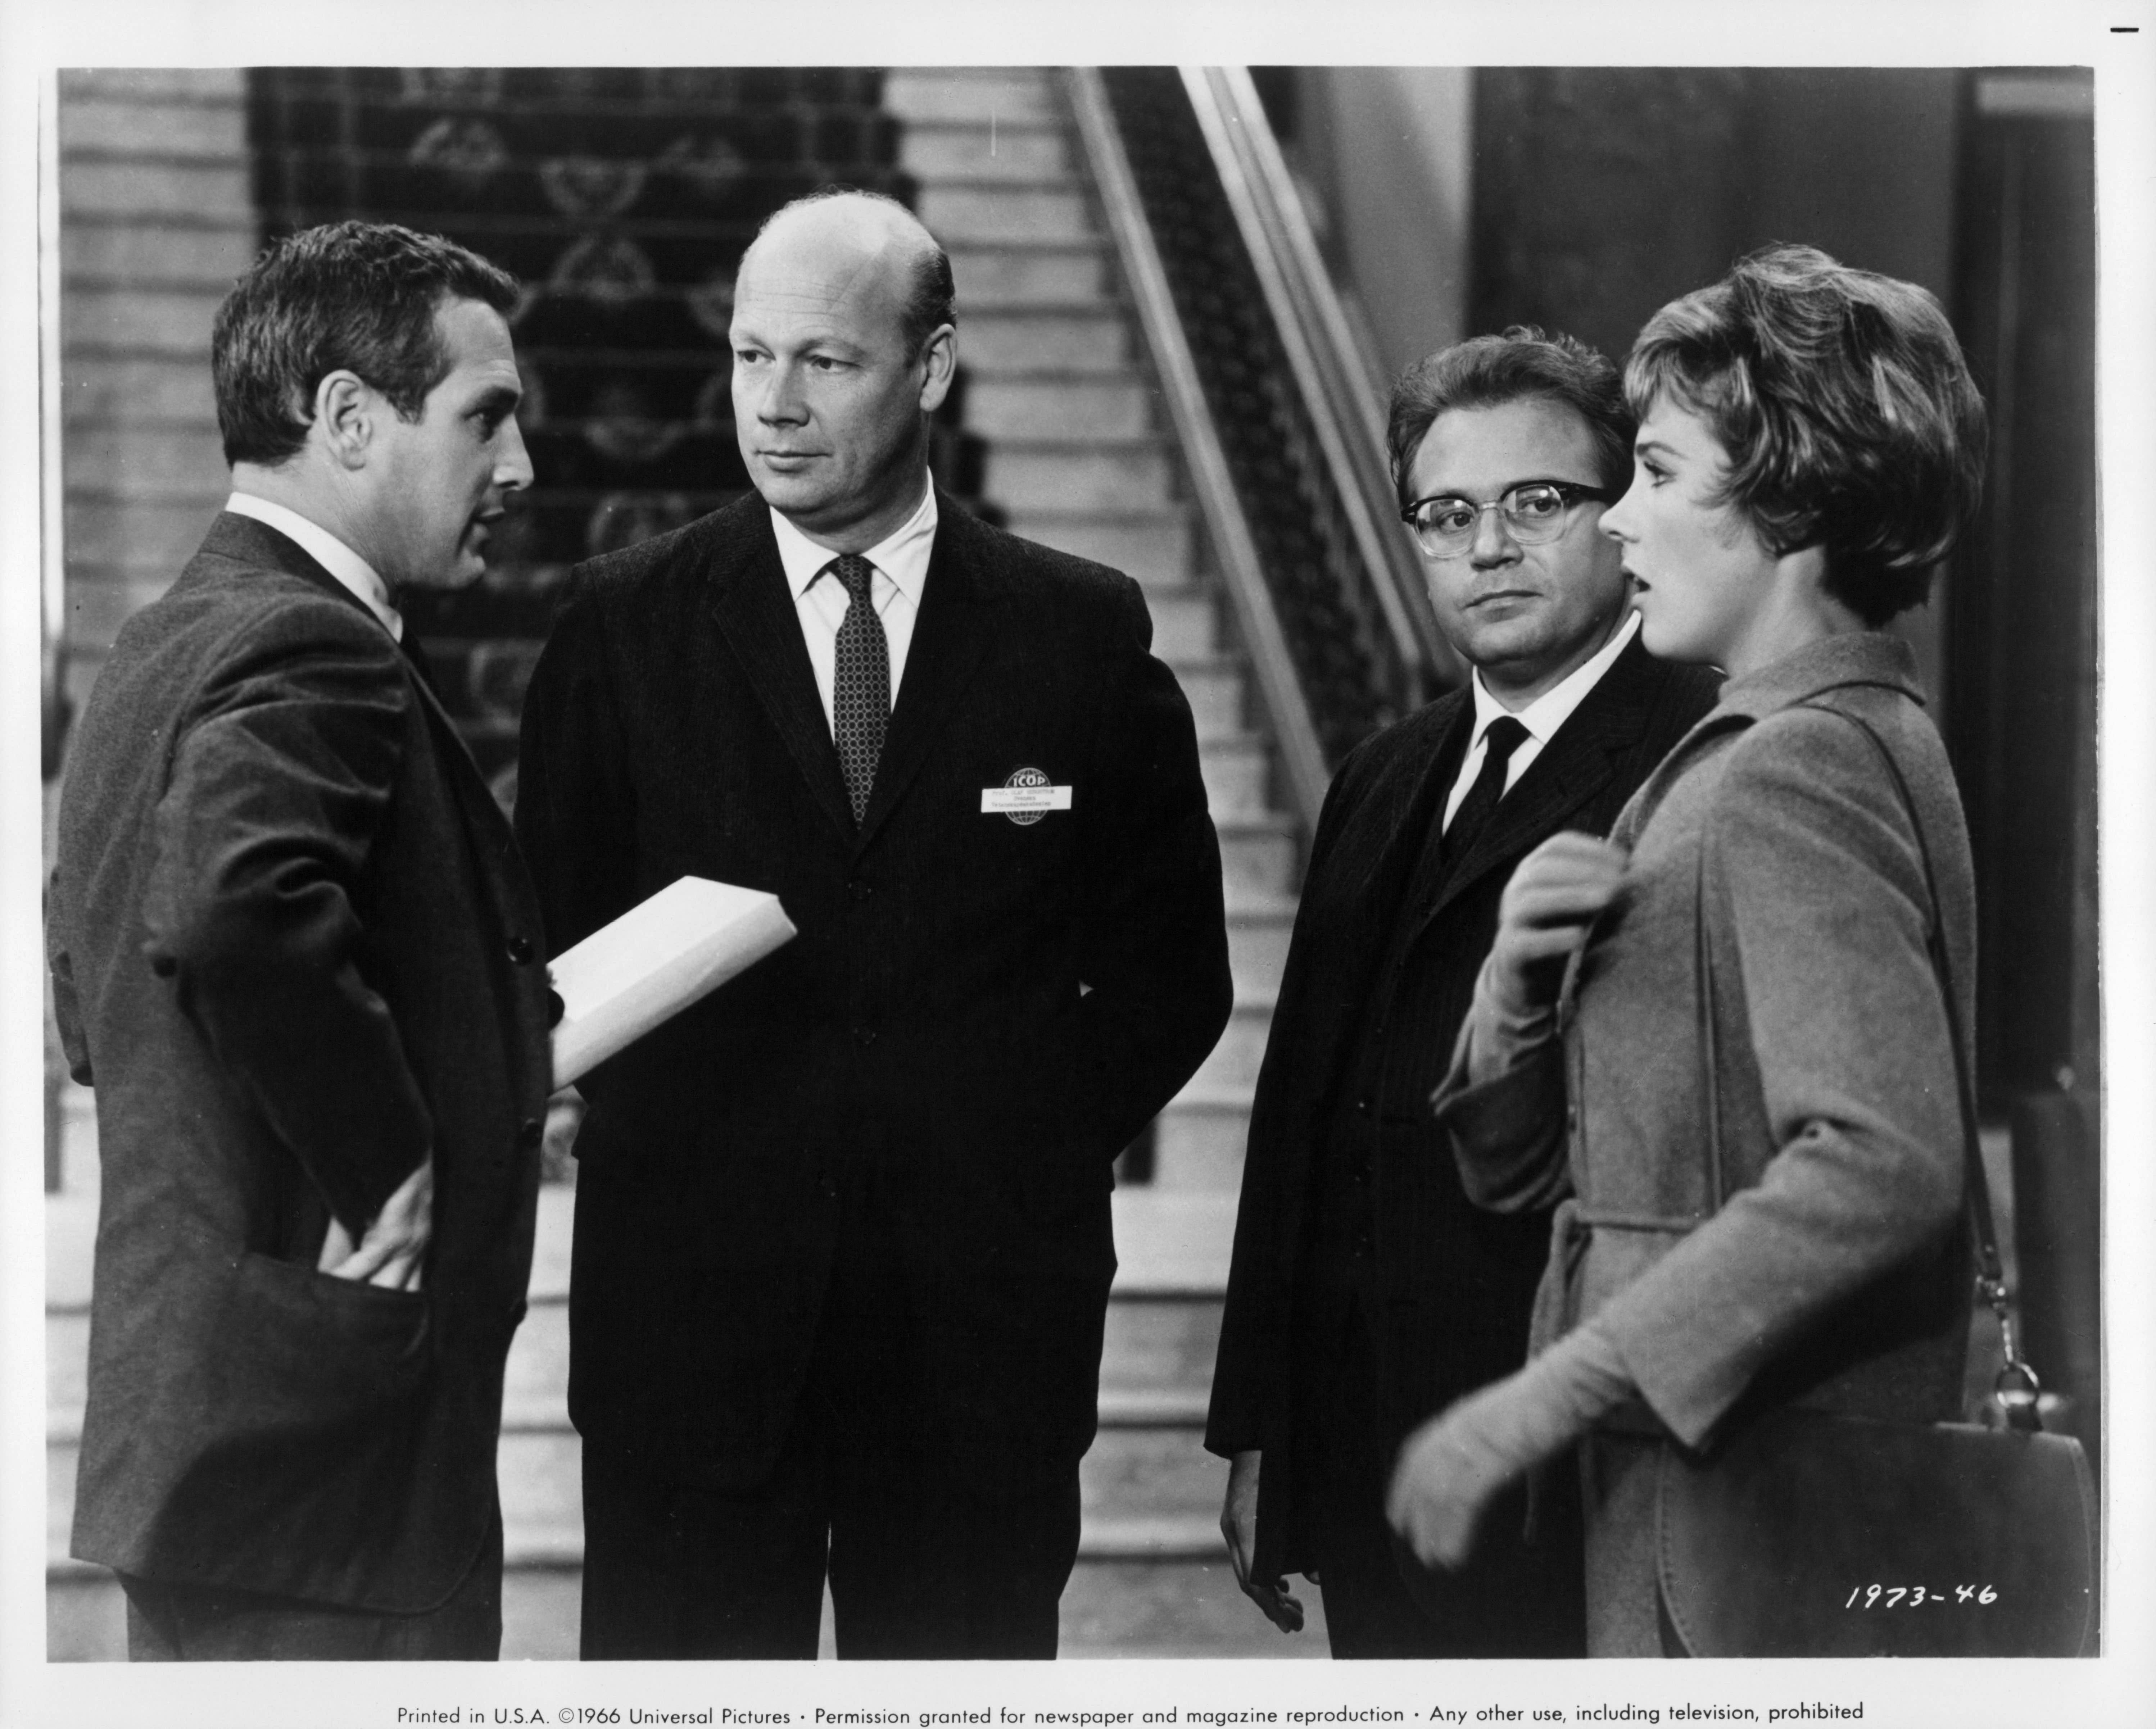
(1777,896)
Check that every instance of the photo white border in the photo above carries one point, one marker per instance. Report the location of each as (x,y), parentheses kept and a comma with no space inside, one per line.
(36,38)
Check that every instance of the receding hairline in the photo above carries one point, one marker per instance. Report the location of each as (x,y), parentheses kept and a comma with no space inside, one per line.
(886,231)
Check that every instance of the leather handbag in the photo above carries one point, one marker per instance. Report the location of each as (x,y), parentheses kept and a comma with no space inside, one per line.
(1812,1534)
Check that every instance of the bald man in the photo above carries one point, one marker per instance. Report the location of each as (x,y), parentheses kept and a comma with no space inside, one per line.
(843,1249)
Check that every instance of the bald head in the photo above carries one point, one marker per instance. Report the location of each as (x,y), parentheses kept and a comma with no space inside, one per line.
(837,365)
(867,233)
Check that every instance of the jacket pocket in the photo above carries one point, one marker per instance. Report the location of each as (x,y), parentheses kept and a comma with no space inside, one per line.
(299,1351)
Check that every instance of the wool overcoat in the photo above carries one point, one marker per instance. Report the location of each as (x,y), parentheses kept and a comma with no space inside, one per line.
(295,952)
(1813,1249)
(1455,1284)
(982,1012)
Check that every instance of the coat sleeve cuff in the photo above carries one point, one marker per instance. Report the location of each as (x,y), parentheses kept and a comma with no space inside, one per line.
(1507,1132)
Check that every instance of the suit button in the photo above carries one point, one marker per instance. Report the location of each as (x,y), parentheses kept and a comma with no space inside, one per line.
(1362,1107)
(860,891)
(555,1009)
(521,950)
(531,1133)
(827,1187)
(865,1036)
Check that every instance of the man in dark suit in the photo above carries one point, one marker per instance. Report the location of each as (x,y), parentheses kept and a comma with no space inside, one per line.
(1366,1292)
(294,951)
(842,1246)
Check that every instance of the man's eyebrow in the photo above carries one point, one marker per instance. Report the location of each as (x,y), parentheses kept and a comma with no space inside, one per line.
(1511,486)
(502,397)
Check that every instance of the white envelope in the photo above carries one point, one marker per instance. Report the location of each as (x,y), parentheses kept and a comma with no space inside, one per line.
(655,961)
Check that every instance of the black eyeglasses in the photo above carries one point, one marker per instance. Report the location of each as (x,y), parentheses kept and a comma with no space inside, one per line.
(1535,511)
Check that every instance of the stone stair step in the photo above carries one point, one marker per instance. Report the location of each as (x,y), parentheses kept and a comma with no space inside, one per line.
(202,254)
(1157,1345)
(1097,475)
(968,149)
(209,88)
(1199,1140)
(1049,271)
(1076,338)
(1215,692)
(1258,933)
(171,320)
(1165,1604)
(1186,623)
(1170,1243)
(216,191)
(1043,406)
(968,93)
(1153,547)
(1148,1472)
(153,537)
(174,130)
(969,212)
(174,396)
(158,461)
(1230,1069)
(1237,774)
(1258,855)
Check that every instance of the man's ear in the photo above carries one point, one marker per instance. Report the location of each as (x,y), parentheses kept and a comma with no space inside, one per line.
(940,363)
(345,407)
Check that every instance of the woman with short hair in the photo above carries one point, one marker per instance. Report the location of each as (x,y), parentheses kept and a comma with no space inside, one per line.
(1720,1033)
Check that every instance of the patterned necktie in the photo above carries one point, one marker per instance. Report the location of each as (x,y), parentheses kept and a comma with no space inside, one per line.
(860,694)
(1506,736)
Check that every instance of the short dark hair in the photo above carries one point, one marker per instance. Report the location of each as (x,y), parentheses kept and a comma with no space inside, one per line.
(1847,411)
(1522,365)
(931,301)
(360,296)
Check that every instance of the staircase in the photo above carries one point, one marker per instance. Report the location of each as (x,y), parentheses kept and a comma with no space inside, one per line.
(1055,388)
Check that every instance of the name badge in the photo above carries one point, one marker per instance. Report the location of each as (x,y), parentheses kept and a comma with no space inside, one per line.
(1025,797)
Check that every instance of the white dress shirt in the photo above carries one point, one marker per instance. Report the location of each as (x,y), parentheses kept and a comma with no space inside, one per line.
(901,572)
(327,550)
(1541,717)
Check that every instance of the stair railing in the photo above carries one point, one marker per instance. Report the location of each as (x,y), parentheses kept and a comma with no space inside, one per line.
(1235,545)
(1260,383)
(1346,402)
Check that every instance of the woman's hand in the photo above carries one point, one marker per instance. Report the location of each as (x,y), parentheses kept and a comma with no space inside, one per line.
(1453,1466)
(1557,893)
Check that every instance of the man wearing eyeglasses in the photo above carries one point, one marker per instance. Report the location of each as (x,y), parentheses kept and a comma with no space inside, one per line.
(1367,1293)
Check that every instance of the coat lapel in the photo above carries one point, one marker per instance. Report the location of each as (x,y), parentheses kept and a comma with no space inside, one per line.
(1572,768)
(756,613)
(246,540)
(949,638)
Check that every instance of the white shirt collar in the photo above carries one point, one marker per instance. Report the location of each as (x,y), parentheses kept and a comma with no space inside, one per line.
(902,555)
(327,550)
(1552,709)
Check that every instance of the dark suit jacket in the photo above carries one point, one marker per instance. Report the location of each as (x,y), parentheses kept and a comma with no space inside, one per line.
(293,949)
(984,1011)
(1454,1284)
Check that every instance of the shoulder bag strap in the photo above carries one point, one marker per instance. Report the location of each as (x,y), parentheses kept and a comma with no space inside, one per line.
(2016,1384)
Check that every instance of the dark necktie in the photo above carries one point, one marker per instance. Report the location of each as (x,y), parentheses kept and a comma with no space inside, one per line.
(1506,736)
(860,690)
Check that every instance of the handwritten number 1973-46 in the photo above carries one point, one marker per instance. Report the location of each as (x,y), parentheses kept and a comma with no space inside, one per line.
(1912,1596)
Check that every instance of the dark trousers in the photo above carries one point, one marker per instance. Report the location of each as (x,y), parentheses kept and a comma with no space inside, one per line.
(199,1623)
(921,1562)
(1515,1600)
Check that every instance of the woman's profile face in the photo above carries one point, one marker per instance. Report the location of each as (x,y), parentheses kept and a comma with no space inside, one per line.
(1700,574)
